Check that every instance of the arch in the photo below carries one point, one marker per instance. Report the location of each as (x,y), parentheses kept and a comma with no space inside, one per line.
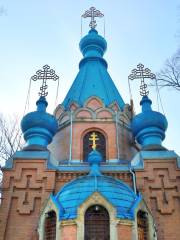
(142,225)
(96,199)
(94,103)
(97,223)
(50,226)
(87,144)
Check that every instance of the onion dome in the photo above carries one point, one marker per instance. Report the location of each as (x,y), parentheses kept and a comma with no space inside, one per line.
(149,126)
(93,78)
(116,192)
(39,127)
(93,45)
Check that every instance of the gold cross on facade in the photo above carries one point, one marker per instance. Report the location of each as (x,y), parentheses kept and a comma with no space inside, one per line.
(94,138)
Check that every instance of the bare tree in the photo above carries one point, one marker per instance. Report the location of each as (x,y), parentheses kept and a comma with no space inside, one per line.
(10,139)
(169,76)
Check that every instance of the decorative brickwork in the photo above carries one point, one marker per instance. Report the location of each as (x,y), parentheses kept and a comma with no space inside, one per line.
(160,185)
(93,116)
(25,188)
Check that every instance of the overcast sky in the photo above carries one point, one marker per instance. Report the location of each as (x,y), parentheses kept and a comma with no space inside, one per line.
(39,32)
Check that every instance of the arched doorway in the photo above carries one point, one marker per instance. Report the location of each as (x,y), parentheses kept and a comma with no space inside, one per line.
(100,144)
(97,224)
(142,224)
(50,226)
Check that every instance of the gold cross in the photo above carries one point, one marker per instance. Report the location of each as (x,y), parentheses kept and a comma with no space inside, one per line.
(94,138)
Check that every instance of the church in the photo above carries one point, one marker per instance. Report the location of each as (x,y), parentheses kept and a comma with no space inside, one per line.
(94,170)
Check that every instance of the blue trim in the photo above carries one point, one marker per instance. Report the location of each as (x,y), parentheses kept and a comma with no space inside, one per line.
(27,155)
(138,160)
(135,205)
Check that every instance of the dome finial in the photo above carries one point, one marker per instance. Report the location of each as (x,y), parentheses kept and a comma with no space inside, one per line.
(141,73)
(94,159)
(92,13)
(44,75)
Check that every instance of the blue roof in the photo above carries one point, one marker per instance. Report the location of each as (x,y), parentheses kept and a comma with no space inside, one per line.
(93,78)
(116,192)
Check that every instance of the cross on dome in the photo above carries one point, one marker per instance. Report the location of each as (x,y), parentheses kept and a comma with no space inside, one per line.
(92,13)
(44,75)
(141,73)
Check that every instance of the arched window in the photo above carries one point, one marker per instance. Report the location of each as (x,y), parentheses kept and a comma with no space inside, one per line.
(142,224)
(50,226)
(100,144)
(97,223)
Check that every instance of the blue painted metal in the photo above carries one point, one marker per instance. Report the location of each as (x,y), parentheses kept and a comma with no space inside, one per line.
(94,160)
(138,160)
(39,127)
(116,192)
(93,78)
(149,126)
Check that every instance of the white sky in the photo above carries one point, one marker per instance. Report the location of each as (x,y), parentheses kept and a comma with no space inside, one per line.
(35,33)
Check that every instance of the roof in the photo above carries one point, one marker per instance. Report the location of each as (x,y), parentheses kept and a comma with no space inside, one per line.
(116,192)
(93,78)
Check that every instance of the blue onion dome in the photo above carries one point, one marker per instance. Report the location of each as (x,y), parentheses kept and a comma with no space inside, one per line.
(116,192)
(38,127)
(149,126)
(93,45)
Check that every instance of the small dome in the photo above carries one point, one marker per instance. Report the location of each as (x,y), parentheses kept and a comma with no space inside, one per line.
(93,44)
(149,126)
(116,192)
(39,127)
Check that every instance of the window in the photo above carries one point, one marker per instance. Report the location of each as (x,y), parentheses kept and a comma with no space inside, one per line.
(142,223)
(97,223)
(50,226)
(100,145)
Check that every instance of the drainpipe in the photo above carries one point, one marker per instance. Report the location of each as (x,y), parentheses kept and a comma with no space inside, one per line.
(134,179)
(117,136)
(70,142)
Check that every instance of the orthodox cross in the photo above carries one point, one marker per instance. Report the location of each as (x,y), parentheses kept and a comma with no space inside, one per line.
(141,73)
(94,138)
(92,13)
(44,75)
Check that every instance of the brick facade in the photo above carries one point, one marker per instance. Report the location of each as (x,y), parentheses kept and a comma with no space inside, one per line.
(29,182)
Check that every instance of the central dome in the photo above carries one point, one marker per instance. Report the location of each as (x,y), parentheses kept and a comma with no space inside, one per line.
(93,78)
(93,44)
